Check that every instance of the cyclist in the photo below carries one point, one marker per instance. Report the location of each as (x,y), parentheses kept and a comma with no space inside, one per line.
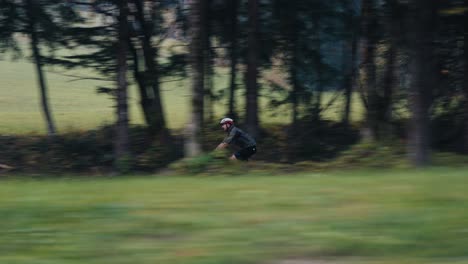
(239,138)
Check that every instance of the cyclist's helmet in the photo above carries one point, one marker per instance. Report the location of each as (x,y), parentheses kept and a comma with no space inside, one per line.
(226,120)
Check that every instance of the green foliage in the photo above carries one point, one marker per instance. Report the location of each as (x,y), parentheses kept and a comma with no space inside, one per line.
(213,163)
(71,152)
(192,165)
(90,152)
(449,159)
(317,141)
(124,165)
(448,127)
(371,154)
(154,156)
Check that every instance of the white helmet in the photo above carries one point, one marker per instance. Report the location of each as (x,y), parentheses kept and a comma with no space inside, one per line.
(226,120)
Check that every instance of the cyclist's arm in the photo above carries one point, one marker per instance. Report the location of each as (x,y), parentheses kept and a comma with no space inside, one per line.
(222,145)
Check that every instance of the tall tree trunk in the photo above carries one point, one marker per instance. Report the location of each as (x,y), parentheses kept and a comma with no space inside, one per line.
(31,5)
(252,69)
(350,79)
(350,66)
(393,24)
(296,90)
(197,35)
(209,67)
(152,105)
(293,69)
(121,143)
(234,7)
(318,63)
(385,112)
(141,82)
(296,93)
(319,93)
(465,52)
(209,92)
(422,72)
(140,74)
(369,29)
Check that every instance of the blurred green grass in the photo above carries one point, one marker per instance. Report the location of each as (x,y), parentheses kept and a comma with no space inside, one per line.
(368,216)
(76,106)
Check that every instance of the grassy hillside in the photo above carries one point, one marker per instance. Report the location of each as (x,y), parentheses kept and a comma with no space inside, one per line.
(76,106)
(350,217)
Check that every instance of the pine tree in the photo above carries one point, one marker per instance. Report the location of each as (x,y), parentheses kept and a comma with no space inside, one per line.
(44,23)
(197,35)
(251,75)
(465,52)
(422,70)
(121,142)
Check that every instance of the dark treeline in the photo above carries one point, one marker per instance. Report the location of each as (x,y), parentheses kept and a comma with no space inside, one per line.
(406,61)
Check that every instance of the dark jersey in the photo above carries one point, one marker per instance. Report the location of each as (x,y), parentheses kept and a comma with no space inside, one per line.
(239,138)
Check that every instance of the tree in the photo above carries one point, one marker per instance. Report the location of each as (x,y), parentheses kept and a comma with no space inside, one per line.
(393,24)
(226,31)
(290,40)
(350,72)
(209,55)
(421,41)
(369,43)
(148,79)
(146,34)
(251,111)
(197,37)
(465,52)
(44,23)
(121,142)
(32,10)
(233,52)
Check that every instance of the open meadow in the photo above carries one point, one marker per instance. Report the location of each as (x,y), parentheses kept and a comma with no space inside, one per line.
(76,105)
(366,216)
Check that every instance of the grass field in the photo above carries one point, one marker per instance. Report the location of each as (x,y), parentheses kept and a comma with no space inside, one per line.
(398,216)
(76,106)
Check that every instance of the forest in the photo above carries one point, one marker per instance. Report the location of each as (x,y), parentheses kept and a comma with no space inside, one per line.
(312,81)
